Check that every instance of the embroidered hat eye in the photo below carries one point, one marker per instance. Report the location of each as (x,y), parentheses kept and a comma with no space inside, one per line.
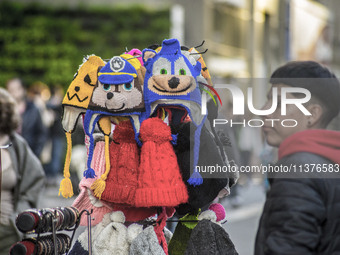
(182,72)
(106,87)
(127,86)
(163,71)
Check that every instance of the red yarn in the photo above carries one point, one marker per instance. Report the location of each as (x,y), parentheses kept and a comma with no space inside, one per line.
(133,214)
(159,230)
(159,182)
(121,181)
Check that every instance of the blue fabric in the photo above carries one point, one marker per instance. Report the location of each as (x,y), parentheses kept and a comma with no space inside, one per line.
(117,71)
(89,172)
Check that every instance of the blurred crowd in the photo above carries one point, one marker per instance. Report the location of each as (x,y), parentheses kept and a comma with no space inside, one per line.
(40,109)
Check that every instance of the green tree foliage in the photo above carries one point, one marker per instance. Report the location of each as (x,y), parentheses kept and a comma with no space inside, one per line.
(48,44)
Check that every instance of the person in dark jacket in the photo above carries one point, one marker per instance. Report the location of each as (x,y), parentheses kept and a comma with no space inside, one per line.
(31,127)
(301,213)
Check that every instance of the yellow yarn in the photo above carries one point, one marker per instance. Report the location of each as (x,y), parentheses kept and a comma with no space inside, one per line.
(99,185)
(79,92)
(133,61)
(132,74)
(117,119)
(66,188)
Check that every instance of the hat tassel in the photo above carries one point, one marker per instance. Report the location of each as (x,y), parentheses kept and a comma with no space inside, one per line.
(89,172)
(196,178)
(66,188)
(99,185)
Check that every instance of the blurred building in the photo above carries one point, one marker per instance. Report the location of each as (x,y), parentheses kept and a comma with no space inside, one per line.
(247,38)
(251,38)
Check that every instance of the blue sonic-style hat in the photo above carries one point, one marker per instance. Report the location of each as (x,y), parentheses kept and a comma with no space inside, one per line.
(171,80)
(119,94)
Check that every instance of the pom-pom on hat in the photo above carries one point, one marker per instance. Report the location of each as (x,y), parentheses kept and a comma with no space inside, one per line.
(159,180)
(74,104)
(136,53)
(219,211)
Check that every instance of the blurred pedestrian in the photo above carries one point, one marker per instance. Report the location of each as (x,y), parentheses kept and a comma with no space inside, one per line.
(22,174)
(56,136)
(31,126)
(301,213)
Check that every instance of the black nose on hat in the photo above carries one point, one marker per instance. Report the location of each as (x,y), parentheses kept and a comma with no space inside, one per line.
(109,95)
(173,82)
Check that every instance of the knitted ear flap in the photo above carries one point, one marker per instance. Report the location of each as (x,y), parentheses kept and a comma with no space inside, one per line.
(98,186)
(159,179)
(75,103)
(90,121)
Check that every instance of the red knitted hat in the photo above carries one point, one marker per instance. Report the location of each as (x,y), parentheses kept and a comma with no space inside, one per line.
(121,181)
(159,179)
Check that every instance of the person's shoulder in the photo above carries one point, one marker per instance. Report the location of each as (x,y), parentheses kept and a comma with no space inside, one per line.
(15,137)
(308,168)
(304,158)
(20,144)
(31,106)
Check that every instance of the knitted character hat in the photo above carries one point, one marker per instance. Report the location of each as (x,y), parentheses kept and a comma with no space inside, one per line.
(159,179)
(171,80)
(75,103)
(146,243)
(181,236)
(209,238)
(119,92)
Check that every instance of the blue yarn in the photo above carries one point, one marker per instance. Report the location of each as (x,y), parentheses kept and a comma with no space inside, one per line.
(174,139)
(139,142)
(195,179)
(121,75)
(89,173)
(170,52)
